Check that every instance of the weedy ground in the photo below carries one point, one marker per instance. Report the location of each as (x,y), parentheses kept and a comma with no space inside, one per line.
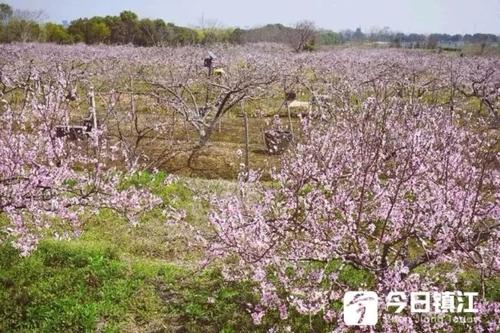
(117,277)
(121,278)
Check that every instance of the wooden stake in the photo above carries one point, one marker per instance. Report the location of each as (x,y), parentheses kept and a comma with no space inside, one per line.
(245,120)
(93,113)
(290,127)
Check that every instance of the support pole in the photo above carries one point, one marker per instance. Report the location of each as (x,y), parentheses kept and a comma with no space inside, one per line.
(94,115)
(290,127)
(245,120)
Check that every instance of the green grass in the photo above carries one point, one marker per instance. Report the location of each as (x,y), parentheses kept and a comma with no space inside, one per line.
(120,278)
(82,286)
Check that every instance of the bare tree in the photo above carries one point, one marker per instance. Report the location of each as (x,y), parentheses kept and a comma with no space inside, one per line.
(303,37)
(23,25)
(30,15)
(203,100)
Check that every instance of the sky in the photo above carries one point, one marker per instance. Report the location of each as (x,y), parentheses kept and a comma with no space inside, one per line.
(419,16)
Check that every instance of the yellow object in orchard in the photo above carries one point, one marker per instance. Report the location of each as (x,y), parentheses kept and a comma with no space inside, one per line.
(219,71)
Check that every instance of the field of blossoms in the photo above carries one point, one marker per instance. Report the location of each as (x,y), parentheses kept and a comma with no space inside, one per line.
(244,188)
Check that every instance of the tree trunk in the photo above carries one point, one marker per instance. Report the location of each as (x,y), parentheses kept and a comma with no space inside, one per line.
(204,136)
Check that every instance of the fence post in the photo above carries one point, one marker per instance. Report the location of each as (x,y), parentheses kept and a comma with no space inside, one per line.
(93,113)
(245,120)
(289,119)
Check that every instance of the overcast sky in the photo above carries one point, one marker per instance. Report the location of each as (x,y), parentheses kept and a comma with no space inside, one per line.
(421,16)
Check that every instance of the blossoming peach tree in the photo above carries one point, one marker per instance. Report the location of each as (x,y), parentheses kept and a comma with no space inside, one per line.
(46,178)
(403,198)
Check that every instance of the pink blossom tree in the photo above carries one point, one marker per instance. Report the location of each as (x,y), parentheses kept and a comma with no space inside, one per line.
(45,177)
(404,194)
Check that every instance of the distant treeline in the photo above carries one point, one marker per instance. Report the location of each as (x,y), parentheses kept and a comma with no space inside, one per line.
(386,35)
(127,28)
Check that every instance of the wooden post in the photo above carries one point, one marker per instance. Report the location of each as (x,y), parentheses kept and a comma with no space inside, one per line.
(245,120)
(93,110)
(172,131)
(93,114)
(290,127)
(132,101)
